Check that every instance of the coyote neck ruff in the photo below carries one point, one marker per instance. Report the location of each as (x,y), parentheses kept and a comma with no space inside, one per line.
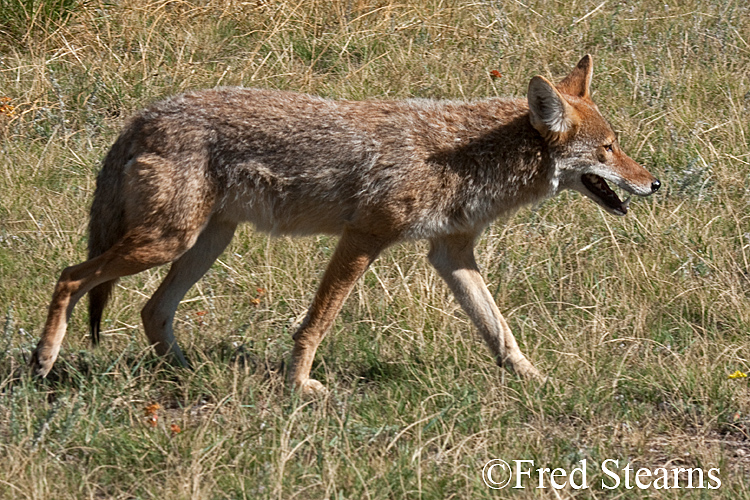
(185,171)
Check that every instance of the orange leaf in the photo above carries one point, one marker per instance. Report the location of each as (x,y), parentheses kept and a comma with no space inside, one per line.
(175,429)
(495,74)
(5,107)
(152,409)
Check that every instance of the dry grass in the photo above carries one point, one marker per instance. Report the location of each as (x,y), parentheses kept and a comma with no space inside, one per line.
(638,320)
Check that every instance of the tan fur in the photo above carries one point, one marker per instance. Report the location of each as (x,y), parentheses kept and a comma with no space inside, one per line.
(185,171)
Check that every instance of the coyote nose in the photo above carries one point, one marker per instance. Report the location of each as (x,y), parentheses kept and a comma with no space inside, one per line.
(655,186)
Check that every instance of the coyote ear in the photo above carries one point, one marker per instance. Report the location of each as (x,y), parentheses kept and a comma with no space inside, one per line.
(578,81)
(549,112)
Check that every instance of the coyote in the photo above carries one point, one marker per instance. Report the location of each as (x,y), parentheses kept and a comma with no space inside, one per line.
(185,171)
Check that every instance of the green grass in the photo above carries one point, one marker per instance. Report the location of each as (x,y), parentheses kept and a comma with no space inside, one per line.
(638,320)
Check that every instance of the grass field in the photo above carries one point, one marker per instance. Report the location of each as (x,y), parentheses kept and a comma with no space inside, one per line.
(638,320)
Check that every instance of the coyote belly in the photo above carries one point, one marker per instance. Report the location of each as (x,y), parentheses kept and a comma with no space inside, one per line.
(186,171)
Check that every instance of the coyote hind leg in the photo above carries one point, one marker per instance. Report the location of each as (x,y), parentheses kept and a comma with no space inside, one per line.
(158,313)
(453,257)
(130,255)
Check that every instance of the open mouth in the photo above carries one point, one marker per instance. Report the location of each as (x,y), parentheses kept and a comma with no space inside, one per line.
(604,194)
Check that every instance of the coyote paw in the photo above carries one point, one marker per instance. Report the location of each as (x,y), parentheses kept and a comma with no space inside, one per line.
(42,360)
(310,388)
(529,372)
(524,369)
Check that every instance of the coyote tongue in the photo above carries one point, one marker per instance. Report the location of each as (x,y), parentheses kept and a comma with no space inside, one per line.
(601,190)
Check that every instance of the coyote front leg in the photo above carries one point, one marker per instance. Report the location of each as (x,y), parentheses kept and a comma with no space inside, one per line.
(453,257)
(354,253)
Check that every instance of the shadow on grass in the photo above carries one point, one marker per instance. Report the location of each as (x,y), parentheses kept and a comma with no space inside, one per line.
(80,370)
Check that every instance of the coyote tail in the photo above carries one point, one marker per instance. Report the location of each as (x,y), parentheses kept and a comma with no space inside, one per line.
(106,225)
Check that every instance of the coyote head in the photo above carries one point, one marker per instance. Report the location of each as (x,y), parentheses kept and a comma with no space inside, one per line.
(583,143)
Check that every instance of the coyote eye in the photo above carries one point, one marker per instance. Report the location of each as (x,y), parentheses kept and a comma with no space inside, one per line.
(608,147)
